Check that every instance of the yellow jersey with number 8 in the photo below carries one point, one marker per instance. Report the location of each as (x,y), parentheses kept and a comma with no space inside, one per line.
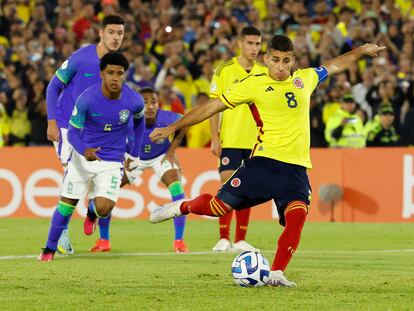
(281,110)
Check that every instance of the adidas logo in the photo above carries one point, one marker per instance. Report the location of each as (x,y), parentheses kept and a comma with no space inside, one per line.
(269,88)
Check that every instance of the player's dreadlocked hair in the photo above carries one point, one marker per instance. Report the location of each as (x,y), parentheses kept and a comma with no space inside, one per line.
(112,20)
(280,43)
(113,58)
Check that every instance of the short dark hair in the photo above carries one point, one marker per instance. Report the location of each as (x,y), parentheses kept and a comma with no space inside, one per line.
(112,20)
(146,90)
(250,31)
(280,43)
(113,58)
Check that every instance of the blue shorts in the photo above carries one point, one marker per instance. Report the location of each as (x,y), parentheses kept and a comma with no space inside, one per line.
(262,179)
(232,158)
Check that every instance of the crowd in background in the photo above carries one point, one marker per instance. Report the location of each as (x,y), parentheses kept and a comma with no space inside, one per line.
(174,46)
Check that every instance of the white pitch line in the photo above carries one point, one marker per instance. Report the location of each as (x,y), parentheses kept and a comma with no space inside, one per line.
(374,251)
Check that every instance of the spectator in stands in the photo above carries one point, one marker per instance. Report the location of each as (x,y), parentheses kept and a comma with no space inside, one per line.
(4,121)
(361,89)
(185,85)
(20,126)
(140,74)
(38,119)
(170,101)
(317,126)
(199,135)
(85,21)
(344,128)
(382,133)
(387,93)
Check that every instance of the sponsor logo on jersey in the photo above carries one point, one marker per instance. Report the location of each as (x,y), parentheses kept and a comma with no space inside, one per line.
(89,74)
(298,83)
(235,182)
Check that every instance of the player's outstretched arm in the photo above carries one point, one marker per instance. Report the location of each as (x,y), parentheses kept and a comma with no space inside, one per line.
(197,115)
(344,61)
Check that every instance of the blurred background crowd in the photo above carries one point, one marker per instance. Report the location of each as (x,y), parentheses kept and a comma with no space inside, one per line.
(174,46)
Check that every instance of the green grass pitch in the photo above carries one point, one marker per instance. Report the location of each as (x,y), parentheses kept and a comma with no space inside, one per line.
(338,266)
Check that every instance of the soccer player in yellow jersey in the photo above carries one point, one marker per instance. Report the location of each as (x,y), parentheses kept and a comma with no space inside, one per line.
(279,101)
(234,131)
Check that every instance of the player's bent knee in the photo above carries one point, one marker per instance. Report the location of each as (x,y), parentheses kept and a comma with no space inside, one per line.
(103,206)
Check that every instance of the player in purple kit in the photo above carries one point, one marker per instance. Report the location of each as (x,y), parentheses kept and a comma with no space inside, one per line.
(160,157)
(97,131)
(75,75)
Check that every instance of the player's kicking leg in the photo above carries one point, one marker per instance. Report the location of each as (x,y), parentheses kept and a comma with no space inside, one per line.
(205,204)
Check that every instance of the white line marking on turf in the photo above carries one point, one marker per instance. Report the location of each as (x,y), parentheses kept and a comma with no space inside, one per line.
(374,251)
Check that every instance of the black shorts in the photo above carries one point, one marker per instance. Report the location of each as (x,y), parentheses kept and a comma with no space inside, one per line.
(262,179)
(232,158)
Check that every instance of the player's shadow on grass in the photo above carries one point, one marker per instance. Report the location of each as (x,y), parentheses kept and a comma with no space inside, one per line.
(359,201)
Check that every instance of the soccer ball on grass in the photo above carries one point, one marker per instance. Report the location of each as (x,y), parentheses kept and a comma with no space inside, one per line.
(250,269)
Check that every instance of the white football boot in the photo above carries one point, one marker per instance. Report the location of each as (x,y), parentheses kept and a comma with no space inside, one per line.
(64,246)
(277,278)
(166,211)
(243,246)
(223,245)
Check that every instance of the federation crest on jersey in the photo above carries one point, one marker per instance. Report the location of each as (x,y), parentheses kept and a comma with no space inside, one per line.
(235,182)
(298,83)
(123,116)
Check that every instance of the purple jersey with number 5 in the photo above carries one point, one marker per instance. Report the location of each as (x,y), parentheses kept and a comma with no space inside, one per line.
(104,122)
